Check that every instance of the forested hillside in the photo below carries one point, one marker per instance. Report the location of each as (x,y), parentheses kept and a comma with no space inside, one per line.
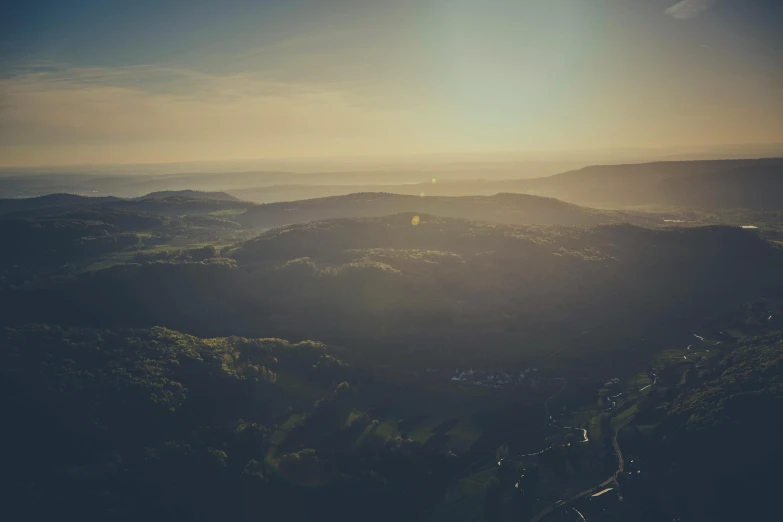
(715,454)
(377,284)
(500,208)
(155,425)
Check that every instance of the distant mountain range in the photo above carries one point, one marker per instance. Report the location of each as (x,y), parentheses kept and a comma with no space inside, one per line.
(168,202)
(753,184)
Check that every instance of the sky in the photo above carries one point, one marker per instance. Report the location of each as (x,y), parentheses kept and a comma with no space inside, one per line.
(110,81)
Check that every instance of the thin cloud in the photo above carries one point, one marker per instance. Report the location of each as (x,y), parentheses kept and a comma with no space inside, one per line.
(688,9)
(144,107)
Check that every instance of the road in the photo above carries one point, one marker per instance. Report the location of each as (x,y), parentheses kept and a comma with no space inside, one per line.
(650,385)
(620,467)
(620,461)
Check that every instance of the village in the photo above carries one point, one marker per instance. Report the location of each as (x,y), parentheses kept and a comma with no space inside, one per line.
(500,379)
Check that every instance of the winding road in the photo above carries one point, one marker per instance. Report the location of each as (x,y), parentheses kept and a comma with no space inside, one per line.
(650,385)
(620,467)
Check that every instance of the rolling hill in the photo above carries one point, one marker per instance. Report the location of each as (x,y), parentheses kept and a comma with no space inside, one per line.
(500,208)
(440,288)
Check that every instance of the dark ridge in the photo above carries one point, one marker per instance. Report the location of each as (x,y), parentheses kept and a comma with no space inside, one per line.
(504,208)
(189,194)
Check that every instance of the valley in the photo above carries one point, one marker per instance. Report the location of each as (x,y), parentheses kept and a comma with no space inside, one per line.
(343,351)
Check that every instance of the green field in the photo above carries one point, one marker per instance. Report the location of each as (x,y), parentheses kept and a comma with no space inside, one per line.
(463,436)
(387,428)
(594,430)
(424,430)
(736,334)
(465,500)
(353,417)
(619,419)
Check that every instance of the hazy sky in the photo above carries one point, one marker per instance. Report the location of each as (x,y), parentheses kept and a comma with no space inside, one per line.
(110,81)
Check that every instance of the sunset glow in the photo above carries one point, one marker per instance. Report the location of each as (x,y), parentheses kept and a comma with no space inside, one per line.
(91,82)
